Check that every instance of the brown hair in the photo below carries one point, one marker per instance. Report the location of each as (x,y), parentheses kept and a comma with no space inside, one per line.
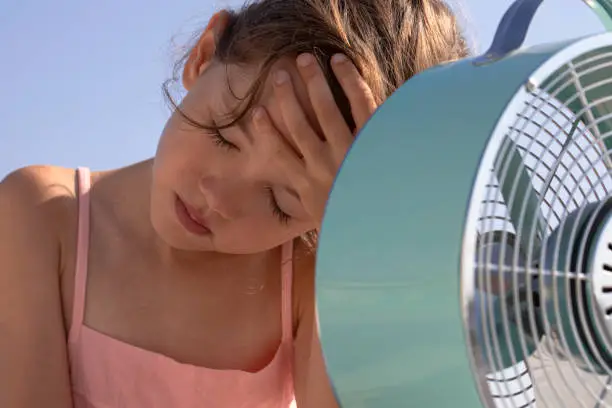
(388,40)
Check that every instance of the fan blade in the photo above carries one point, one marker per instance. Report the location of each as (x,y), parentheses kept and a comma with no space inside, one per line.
(499,353)
(521,198)
(503,288)
(498,249)
(584,86)
(504,330)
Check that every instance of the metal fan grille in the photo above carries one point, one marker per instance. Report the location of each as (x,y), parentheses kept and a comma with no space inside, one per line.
(569,167)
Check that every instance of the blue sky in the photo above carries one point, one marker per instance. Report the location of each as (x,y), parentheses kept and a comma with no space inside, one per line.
(81,80)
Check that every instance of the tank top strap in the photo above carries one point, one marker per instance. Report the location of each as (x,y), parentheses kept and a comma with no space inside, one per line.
(287,290)
(83,182)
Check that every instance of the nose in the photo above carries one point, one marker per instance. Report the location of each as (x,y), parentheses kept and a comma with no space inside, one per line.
(223,197)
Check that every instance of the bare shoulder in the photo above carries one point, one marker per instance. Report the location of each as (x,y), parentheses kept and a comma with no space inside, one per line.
(45,194)
(33,206)
(38,183)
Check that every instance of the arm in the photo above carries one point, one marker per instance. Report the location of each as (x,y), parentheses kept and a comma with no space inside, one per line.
(312,385)
(33,358)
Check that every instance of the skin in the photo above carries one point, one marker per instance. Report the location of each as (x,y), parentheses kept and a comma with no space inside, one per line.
(147,274)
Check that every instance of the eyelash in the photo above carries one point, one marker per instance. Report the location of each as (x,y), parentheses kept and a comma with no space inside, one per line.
(222,142)
(282,216)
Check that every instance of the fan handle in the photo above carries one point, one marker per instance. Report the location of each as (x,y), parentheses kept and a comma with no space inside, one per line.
(515,23)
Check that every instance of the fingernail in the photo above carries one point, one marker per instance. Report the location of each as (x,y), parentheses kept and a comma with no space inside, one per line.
(281,77)
(304,60)
(339,59)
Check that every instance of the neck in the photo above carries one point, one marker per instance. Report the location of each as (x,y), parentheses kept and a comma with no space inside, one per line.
(220,268)
(127,191)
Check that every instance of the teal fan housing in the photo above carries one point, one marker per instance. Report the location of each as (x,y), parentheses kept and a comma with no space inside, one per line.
(465,258)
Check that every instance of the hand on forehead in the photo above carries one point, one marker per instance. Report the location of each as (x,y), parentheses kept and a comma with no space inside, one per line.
(288,65)
(240,80)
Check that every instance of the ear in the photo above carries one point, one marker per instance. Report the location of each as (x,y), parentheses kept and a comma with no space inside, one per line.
(202,53)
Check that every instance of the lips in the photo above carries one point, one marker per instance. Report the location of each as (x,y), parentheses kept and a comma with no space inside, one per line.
(193,214)
(190,218)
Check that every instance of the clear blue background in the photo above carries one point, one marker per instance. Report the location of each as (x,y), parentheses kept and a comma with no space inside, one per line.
(80,80)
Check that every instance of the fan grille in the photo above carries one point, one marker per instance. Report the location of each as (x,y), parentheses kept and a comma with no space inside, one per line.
(564,156)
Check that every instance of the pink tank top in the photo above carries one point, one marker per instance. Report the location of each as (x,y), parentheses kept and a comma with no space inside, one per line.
(107,373)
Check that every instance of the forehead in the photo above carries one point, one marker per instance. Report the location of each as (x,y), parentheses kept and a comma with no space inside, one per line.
(229,84)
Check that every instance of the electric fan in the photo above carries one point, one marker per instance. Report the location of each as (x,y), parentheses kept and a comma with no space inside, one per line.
(465,257)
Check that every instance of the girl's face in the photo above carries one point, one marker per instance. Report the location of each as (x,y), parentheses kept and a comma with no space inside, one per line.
(241,202)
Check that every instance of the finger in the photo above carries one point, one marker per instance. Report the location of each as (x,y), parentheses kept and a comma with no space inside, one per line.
(279,150)
(299,128)
(335,128)
(357,91)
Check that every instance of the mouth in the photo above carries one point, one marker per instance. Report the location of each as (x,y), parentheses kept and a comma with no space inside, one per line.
(190,219)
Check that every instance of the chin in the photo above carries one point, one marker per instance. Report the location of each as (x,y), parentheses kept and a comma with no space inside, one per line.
(179,240)
(183,241)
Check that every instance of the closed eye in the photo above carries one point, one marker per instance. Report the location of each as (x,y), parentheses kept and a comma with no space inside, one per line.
(282,216)
(220,141)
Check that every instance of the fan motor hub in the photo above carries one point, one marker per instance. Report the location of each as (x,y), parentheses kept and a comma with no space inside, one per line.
(600,278)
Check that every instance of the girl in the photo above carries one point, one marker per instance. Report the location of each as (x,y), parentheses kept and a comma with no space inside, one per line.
(187,280)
